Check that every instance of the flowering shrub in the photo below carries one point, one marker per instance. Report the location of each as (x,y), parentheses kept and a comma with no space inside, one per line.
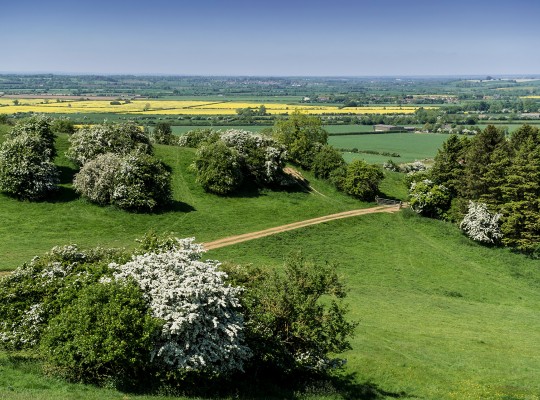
(88,143)
(136,182)
(429,199)
(26,168)
(416,166)
(481,225)
(196,137)
(262,158)
(40,127)
(390,165)
(203,327)
(35,292)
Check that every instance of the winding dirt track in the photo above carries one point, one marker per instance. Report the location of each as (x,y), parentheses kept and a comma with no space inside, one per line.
(216,244)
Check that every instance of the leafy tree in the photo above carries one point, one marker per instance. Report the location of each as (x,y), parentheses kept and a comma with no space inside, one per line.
(26,169)
(218,168)
(429,199)
(362,180)
(196,137)
(327,160)
(478,161)
(162,133)
(88,143)
(63,125)
(302,136)
(449,164)
(296,320)
(521,221)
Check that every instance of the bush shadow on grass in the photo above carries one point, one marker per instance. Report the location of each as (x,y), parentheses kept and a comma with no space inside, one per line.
(279,387)
(66,174)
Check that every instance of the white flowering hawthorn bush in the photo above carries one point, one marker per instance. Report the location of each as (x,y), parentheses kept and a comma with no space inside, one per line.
(26,168)
(40,127)
(203,326)
(87,143)
(36,291)
(416,166)
(481,225)
(429,199)
(262,157)
(197,137)
(235,156)
(135,181)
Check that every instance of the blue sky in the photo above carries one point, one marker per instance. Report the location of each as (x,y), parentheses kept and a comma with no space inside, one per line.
(236,37)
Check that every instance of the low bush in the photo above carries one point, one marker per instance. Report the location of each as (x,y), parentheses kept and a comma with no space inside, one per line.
(89,142)
(429,199)
(105,334)
(135,182)
(26,168)
(362,180)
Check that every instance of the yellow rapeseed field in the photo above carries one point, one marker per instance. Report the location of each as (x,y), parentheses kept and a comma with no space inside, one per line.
(181,107)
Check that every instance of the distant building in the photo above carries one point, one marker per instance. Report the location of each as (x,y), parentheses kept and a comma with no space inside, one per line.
(388,128)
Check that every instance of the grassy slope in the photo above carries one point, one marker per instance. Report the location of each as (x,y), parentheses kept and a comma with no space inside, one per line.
(29,229)
(440,317)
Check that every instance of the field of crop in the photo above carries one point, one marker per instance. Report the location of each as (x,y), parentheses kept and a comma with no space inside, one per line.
(182,107)
(410,146)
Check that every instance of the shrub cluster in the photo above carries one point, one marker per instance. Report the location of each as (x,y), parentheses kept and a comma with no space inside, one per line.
(136,182)
(89,142)
(234,157)
(108,316)
(118,168)
(27,170)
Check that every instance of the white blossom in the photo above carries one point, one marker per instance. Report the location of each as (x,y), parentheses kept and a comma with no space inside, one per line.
(481,225)
(203,328)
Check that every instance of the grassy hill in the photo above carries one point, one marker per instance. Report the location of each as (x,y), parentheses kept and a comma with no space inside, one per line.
(440,317)
(29,229)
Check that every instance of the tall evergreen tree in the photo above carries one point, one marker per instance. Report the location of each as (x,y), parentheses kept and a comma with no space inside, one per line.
(478,161)
(449,165)
(521,212)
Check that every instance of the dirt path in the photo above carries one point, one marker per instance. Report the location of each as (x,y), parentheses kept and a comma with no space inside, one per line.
(216,244)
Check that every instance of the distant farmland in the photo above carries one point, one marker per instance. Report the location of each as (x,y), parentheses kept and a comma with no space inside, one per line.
(180,107)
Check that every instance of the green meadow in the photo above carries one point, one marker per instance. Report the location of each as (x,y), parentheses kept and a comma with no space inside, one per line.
(410,146)
(440,317)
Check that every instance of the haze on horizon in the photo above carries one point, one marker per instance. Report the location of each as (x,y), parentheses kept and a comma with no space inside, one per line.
(279,38)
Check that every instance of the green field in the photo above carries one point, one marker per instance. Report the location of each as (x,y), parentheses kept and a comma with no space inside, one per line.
(410,146)
(440,317)
(30,228)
